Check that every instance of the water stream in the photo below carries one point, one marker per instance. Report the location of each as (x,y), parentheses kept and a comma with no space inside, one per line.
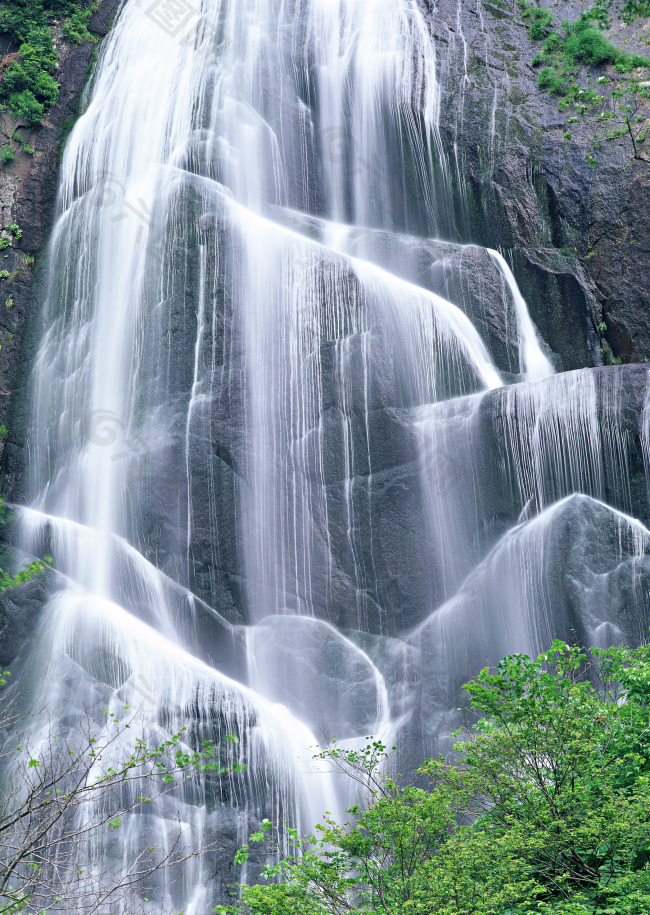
(302,466)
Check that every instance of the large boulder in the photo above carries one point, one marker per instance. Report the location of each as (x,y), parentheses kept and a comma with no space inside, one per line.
(578,571)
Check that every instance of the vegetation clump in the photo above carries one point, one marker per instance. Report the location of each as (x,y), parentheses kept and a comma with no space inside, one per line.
(576,42)
(28,86)
(588,44)
(540,21)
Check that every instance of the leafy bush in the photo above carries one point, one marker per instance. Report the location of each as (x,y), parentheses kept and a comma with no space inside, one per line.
(588,44)
(601,12)
(550,79)
(581,41)
(21,76)
(553,43)
(541,23)
(26,108)
(7,155)
(636,9)
(76,29)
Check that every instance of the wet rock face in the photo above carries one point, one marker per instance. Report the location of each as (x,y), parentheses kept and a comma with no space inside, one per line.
(20,611)
(577,234)
(593,560)
(524,188)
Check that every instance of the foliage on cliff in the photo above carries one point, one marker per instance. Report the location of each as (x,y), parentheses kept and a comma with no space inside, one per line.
(574,51)
(546,808)
(28,85)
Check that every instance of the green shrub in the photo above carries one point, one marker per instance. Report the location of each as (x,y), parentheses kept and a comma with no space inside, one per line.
(542,20)
(553,43)
(7,155)
(599,14)
(602,10)
(76,29)
(589,45)
(39,49)
(26,76)
(545,808)
(636,9)
(550,79)
(25,106)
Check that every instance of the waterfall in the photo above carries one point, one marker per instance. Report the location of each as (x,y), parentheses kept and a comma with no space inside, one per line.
(303,466)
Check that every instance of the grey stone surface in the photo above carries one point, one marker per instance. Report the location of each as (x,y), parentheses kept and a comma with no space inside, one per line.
(577,234)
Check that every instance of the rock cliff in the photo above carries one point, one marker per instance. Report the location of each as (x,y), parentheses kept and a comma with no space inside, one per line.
(568,207)
(28,186)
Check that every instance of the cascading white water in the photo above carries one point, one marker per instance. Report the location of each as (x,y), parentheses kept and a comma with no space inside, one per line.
(531,359)
(273,461)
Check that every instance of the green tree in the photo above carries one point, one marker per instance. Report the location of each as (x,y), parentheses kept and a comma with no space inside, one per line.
(545,807)
(63,793)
